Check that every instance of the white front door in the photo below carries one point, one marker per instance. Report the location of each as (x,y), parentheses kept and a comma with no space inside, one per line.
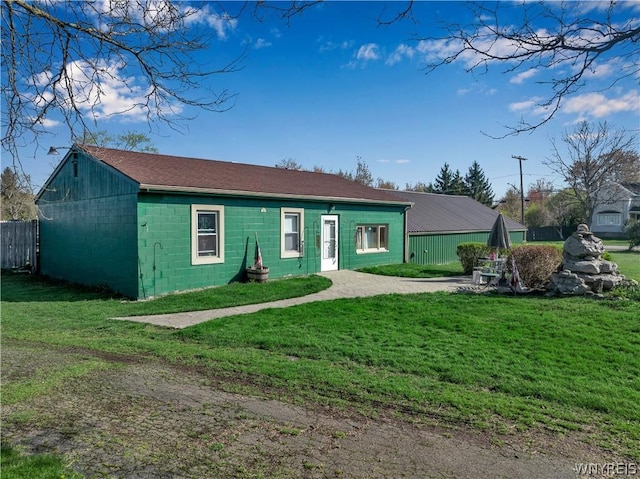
(329,243)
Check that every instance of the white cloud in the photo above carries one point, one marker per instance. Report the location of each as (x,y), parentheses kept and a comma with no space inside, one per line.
(261,43)
(368,52)
(521,77)
(401,52)
(222,24)
(101,90)
(598,105)
(46,123)
(330,45)
(525,105)
(478,88)
(486,49)
(397,162)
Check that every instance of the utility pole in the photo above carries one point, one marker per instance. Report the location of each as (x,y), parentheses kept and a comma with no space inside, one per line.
(520,160)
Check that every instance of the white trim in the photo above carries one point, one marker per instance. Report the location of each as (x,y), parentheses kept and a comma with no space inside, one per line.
(219,210)
(284,253)
(360,233)
(329,245)
(614,215)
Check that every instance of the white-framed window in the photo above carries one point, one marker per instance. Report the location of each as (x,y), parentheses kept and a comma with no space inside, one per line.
(372,238)
(609,218)
(207,234)
(292,232)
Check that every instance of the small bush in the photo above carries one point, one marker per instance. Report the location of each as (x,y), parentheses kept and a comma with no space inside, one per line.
(536,264)
(632,230)
(628,289)
(469,254)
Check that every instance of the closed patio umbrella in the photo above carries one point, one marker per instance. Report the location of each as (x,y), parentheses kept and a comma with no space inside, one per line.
(499,235)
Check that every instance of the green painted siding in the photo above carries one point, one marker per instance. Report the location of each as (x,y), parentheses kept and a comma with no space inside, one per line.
(441,248)
(353,215)
(164,239)
(98,229)
(88,227)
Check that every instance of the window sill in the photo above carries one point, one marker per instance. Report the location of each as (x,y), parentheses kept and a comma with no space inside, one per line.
(290,255)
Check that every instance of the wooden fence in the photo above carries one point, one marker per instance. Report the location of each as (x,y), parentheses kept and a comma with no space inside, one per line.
(19,244)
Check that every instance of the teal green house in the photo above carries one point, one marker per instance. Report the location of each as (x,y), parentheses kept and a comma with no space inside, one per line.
(147,224)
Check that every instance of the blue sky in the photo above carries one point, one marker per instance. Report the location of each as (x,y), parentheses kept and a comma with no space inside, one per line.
(331,86)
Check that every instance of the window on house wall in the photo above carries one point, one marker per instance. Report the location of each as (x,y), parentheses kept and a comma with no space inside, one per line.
(207,234)
(292,221)
(609,218)
(372,238)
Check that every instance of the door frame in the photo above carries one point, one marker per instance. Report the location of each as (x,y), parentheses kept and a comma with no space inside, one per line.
(329,264)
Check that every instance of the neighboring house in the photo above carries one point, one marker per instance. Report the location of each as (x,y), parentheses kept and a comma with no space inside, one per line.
(147,224)
(437,224)
(621,203)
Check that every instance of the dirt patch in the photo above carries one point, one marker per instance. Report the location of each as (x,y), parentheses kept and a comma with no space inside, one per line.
(143,419)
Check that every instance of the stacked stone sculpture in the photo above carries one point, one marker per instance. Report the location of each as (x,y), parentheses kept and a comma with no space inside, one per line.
(583,271)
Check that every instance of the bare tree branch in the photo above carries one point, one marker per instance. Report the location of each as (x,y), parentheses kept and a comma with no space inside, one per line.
(594,159)
(60,60)
(556,37)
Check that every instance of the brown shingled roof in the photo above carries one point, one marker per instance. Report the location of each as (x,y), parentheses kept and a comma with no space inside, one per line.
(437,213)
(174,173)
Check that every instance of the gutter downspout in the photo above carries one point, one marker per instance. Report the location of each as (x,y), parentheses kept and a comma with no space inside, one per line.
(406,234)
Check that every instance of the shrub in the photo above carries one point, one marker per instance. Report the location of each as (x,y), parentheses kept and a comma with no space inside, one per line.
(632,230)
(536,263)
(469,254)
(628,289)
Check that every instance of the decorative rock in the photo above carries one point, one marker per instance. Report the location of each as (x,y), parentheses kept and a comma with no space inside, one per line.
(583,244)
(583,271)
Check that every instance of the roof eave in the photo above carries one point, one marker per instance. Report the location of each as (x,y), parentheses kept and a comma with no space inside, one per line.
(255,194)
(438,232)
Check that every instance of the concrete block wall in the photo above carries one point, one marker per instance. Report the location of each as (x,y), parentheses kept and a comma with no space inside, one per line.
(164,240)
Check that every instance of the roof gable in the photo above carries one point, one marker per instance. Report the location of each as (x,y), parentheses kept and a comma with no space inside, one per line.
(434,213)
(634,188)
(173,173)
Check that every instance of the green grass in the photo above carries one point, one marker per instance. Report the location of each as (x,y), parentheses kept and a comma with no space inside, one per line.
(412,270)
(39,466)
(628,263)
(233,294)
(500,363)
(40,383)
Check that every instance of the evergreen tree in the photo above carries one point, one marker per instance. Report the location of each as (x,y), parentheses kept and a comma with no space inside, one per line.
(444,180)
(477,186)
(449,182)
(458,186)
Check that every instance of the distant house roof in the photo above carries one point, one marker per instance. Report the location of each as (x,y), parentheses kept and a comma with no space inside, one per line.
(436,213)
(632,187)
(155,172)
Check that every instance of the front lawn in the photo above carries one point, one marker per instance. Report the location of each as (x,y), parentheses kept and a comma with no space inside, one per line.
(503,364)
(413,270)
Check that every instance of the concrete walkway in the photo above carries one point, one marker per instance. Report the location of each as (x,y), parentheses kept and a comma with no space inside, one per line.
(346,284)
